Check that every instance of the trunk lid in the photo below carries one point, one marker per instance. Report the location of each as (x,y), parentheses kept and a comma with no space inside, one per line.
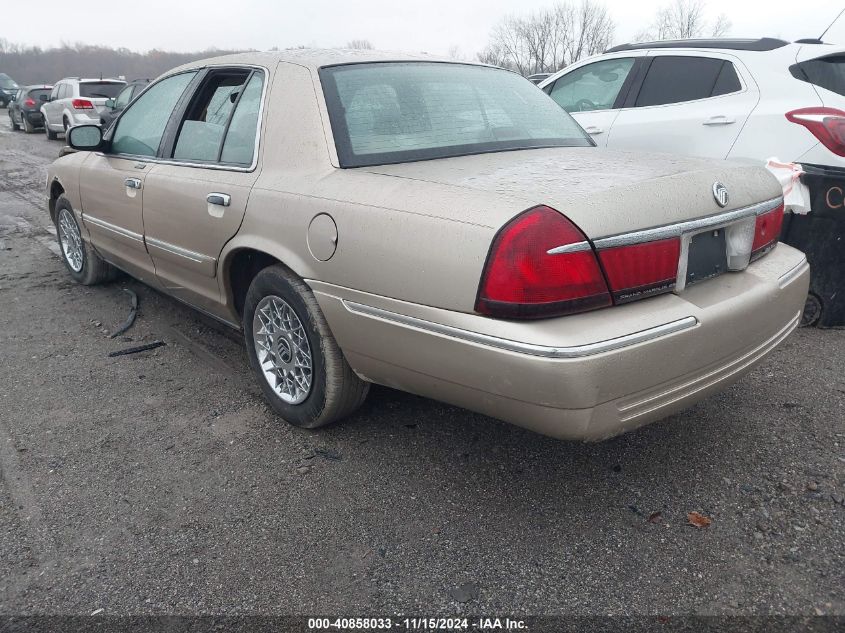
(604,192)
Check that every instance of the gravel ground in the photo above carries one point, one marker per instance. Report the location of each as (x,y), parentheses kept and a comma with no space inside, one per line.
(161,483)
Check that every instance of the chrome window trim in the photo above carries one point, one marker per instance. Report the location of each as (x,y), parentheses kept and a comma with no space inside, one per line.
(181,252)
(214,165)
(108,226)
(689,226)
(544,351)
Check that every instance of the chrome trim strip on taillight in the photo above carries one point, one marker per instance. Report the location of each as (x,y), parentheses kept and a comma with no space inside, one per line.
(690,226)
(545,351)
(577,247)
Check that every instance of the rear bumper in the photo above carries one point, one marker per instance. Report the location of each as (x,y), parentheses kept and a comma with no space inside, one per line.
(33,116)
(80,118)
(587,376)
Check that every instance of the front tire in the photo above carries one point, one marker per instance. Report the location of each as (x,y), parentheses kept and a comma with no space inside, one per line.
(51,135)
(80,258)
(298,364)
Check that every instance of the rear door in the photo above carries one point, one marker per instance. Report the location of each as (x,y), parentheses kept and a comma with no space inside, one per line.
(687,103)
(196,196)
(592,92)
(111,183)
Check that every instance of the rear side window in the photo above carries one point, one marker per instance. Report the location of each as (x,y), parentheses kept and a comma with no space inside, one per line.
(824,72)
(220,122)
(673,79)
(100,89)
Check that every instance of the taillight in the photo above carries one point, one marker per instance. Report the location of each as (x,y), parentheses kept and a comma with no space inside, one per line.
(540,265)
(82,104)
(641,270)
(826,124)
(766,232)
(29,102)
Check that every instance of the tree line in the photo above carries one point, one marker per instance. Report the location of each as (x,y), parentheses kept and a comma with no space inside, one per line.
(34,65)
(540,42)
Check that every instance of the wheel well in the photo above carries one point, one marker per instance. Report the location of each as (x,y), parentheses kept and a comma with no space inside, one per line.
(245,265)
(56,190)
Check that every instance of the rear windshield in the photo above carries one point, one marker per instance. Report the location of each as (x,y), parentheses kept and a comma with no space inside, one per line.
(39,94)
(400,112)
(824,72)
(100,89)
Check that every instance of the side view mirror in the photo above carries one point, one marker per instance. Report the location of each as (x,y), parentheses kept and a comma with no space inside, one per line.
(42,97)
(87,138)
(110,104)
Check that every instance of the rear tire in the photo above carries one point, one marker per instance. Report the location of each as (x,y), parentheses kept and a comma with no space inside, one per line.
(313,385)
(81,260)
(28,127)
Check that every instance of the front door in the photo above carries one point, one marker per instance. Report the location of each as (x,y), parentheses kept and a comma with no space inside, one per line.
(195,198)
(591,94)
(112,183)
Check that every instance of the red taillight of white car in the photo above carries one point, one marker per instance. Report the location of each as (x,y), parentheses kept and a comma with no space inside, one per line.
(826,124)
(641,270)
(767,232)
(82,104)
(541,265)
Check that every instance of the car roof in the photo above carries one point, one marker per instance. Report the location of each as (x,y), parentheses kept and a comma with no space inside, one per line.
(37,87)
(761,44)
(315,58)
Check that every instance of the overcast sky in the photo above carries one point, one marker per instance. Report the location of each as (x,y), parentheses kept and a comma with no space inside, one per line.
(433,26)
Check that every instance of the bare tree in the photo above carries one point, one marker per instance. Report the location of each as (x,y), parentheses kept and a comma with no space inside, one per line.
(547,40)
(361,45)
(684,19)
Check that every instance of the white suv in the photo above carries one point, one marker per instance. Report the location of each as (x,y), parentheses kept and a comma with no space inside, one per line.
(76,101)
(725,98)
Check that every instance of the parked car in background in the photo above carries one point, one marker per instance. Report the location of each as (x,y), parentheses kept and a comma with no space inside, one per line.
(25,109)
(438,227)
(115,106)
(537,78)
(8,89)
(721,98)
(75,101)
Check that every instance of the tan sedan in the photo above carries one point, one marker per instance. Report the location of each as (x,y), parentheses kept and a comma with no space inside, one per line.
(441,228)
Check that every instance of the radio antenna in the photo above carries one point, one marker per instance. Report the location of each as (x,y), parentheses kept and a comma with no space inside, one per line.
(831,24)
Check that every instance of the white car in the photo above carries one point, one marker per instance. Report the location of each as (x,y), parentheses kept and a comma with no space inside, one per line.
(720,98)
(76,101)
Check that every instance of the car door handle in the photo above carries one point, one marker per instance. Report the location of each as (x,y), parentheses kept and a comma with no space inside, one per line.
(719,120)
(220,199)
(592,129)
(133,183)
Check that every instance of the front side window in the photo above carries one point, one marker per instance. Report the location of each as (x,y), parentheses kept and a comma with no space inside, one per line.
(54,94)
(405,111)
(201,132)
(592,87)
(142,125)
(675,79)
(64,91)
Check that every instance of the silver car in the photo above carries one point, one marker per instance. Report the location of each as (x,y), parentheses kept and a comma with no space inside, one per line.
(76,101)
